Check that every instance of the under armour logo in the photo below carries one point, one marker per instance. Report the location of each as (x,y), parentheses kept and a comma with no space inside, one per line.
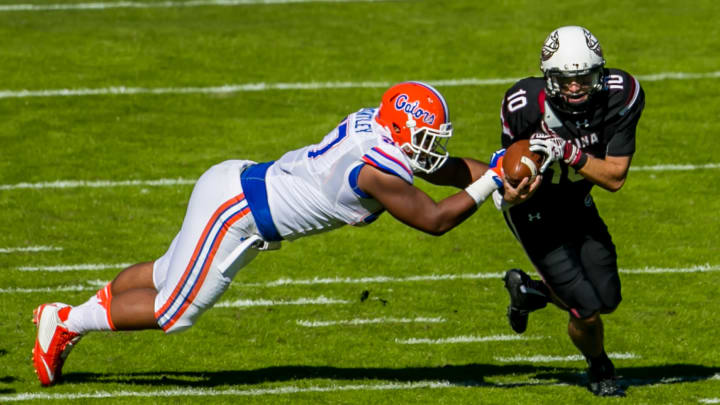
(583,124)
(532,217)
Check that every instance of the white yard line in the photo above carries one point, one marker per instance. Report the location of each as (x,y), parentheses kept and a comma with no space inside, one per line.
(161,4)
(98,184)
(90,285)
(199,392)
(319,281)
(373,280)
(659,270)
(69,184)
(548,359)
(66,288)
(262,86)
(674,168)
(465,339)
(76,267)
(31,249)
(285,390)
(442,277)
(267,303)
(317,324)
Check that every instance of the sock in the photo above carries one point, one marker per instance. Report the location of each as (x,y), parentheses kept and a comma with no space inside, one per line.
(601,366)
(93,315)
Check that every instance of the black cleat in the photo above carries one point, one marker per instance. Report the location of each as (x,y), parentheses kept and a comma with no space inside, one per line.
(523,299)
(607,387)
(601,377)
(518,319)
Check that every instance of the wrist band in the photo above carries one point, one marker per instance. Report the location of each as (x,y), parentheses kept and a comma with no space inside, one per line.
(580,161)
(482,188)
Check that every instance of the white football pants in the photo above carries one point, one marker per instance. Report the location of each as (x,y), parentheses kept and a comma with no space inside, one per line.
(216,240)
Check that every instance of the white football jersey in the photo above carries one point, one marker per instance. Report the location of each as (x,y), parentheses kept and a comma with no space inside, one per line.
(314,189)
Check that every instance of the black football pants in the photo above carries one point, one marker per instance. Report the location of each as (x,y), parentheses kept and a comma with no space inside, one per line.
(572,250)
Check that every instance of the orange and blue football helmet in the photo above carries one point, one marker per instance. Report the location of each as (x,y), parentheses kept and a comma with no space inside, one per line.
(416,115)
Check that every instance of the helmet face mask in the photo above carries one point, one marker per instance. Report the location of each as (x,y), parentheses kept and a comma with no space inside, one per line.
(416,116)
(428,147)
(573,65)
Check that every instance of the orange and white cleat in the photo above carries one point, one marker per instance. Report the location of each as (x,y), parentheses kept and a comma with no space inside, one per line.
(53,343)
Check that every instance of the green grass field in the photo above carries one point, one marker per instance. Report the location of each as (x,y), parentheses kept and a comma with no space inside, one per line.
(60,121)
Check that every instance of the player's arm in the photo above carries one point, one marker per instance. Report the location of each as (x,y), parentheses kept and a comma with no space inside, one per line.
(609,173)
(413,206)
(457,172)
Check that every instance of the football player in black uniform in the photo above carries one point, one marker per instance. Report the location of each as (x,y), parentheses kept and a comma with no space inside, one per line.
(582,116)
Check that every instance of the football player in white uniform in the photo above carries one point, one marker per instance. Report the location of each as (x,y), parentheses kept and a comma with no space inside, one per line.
(363,167)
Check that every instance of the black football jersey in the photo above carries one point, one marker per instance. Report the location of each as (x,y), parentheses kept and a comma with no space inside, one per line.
(606,129)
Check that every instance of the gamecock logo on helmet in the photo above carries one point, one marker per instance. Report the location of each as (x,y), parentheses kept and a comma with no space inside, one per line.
(592,43)
(551,45)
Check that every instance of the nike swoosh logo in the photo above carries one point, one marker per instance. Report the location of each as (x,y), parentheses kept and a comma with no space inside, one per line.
(50,374)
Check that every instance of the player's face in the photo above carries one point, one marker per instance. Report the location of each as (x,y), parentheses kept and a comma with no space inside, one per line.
(576,89)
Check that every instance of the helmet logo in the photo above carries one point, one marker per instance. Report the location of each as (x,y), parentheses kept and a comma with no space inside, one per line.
(551,45)
(592,43)
(414,109)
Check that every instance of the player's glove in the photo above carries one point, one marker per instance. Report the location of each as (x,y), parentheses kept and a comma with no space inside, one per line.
(556,148)
(495,166)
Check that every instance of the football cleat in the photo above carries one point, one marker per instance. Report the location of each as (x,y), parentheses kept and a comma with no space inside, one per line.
(607,387)
(53,343)
(601,378)
(523,299)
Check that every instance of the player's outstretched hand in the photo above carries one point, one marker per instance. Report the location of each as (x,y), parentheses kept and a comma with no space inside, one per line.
(495,166)
(523,191)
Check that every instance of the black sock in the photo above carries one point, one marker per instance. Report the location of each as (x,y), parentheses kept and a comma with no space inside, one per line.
(601,367)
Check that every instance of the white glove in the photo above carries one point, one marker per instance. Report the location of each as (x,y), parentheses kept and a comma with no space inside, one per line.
(556,148)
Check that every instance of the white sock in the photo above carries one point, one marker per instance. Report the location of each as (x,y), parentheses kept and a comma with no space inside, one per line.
(93,315)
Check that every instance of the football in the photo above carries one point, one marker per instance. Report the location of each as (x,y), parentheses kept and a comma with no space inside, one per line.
(520,162)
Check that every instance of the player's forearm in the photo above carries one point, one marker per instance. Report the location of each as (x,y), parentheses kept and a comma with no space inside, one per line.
(457,172)
(436,218)
(609,173)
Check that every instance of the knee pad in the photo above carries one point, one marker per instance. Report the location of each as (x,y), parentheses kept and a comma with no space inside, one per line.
(563,271)
(600,263)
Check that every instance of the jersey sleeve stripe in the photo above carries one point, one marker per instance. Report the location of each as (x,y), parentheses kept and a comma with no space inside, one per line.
(353,180)
(633,96)
(505,127)
(394,160)
(383,161)
(372,162)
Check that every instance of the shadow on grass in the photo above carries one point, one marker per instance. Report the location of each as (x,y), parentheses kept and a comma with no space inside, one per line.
(461,375)
(7,380)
